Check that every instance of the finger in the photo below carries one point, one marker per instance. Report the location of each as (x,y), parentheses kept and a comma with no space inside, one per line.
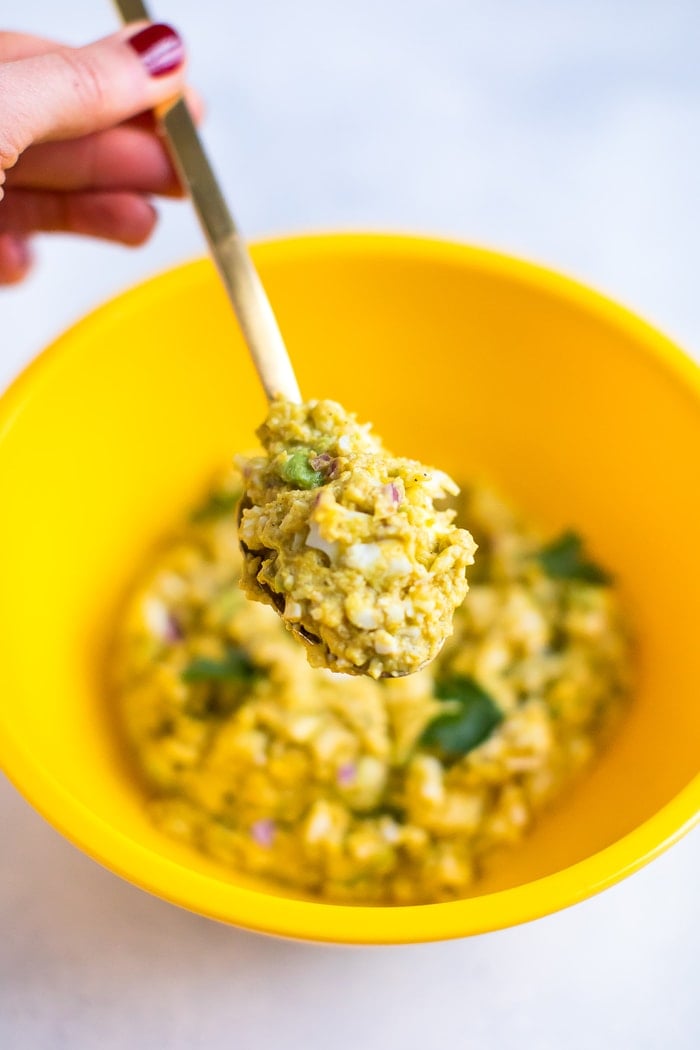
(149,122)
(15,258)
(129,157)
(87,89)
(14,46)
(114,216)
(123,158)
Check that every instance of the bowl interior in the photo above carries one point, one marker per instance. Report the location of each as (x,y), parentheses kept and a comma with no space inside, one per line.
(461,359)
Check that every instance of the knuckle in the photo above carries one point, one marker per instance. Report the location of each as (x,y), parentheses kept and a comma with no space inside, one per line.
(85,78)
(10,135)
(9,155)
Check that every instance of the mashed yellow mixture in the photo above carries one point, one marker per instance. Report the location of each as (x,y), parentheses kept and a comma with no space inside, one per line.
(345,542)
(357,790)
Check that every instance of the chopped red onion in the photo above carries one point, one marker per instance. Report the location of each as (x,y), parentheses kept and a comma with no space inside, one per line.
(325,464)
(346,774)
(173,631)
(391,493)
(263,832)
(161,621)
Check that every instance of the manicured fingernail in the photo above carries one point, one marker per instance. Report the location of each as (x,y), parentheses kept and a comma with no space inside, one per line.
(160,49)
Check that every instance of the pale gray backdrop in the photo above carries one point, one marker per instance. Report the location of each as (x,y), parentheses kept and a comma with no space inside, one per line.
(562,130)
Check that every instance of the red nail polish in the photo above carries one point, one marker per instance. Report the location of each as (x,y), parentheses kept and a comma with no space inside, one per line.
(160,49)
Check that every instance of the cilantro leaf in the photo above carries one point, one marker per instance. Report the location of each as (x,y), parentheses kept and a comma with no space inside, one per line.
(218,505)
(235,666)
(471,717)
(565,559)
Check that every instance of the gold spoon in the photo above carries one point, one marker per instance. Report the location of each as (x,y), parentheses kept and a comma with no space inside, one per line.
(230,254)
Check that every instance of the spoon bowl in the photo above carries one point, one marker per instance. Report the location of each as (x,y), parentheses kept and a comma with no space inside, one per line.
(276,600)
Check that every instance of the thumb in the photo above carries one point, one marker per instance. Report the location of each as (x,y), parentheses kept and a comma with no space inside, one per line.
(70,92)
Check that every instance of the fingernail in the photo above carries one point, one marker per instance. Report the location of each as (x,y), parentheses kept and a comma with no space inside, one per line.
(160,49)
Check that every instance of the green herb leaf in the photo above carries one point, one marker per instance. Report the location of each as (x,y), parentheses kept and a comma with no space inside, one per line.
(471,718)
(395,813)
(297,471)
(565,559)
(235,666)
(218,505)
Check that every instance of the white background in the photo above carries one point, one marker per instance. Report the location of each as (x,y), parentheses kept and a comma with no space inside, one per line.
(562,130)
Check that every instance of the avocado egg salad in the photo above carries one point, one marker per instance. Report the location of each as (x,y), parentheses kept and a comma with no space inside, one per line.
(398,790)
(344,540)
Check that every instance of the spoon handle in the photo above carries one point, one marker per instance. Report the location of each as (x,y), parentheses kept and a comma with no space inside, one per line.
(227,247)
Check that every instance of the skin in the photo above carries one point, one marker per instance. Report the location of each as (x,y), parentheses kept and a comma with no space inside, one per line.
(79,152)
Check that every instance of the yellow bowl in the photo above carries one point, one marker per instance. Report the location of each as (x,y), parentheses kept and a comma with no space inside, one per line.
(479,363)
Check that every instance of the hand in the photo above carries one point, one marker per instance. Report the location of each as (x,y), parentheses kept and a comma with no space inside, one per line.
(78,149)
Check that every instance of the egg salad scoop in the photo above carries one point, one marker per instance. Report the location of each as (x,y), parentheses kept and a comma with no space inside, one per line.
(344,540)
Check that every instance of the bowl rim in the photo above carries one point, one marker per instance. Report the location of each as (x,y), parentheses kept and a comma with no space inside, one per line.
(274,913)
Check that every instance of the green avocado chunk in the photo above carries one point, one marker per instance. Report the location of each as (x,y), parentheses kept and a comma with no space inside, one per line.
(296,470)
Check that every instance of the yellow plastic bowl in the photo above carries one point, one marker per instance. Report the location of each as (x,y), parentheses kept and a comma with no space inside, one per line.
(580,412)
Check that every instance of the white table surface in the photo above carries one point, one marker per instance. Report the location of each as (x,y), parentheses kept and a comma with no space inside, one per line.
(563,131)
